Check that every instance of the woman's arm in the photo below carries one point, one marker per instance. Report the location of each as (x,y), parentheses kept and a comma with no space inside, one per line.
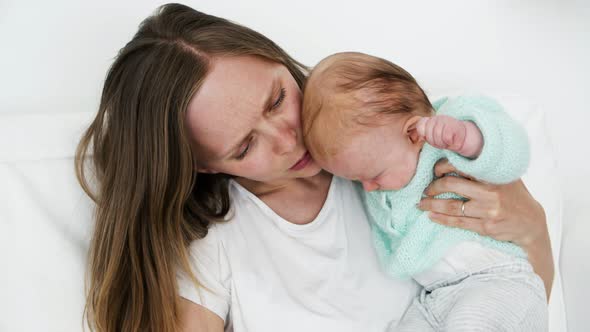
(541,258)
(504,212)
(196,318)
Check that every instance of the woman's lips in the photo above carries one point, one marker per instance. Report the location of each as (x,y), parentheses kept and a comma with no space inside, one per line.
(302,162)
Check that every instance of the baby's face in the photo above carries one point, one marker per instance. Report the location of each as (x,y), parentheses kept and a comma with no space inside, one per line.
(381,157)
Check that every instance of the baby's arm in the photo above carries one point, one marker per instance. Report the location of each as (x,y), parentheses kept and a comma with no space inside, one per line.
(504,154)
(445,132)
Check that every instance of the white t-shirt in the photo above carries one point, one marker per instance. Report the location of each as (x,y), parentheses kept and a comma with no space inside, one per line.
(263,273)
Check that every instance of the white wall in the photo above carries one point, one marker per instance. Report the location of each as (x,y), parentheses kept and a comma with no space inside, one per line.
(54,56)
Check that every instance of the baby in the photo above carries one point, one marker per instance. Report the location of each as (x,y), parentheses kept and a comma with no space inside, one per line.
(366,119)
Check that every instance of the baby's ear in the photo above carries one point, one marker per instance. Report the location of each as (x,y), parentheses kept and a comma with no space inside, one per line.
(413,135)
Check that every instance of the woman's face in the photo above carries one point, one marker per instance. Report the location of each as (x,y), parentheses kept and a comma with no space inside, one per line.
(245,121)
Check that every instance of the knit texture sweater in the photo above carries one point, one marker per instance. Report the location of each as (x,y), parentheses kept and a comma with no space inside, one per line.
(406,240)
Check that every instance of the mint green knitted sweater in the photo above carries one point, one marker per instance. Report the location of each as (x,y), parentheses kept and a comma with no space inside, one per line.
(406,240)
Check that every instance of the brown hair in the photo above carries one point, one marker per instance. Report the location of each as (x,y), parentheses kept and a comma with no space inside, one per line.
(347,89)
(135,161)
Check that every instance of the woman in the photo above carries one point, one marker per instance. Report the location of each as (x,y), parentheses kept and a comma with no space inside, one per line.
(204,189)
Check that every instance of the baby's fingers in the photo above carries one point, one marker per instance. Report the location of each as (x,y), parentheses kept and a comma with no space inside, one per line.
(421,126)
(439,130)
(431,132)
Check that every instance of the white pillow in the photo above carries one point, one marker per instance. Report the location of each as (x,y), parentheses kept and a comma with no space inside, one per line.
(45,222)
(542,181)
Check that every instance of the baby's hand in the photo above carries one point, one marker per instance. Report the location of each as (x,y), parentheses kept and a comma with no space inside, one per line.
(445,132)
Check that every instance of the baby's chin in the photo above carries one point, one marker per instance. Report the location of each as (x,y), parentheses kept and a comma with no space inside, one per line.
(394,186)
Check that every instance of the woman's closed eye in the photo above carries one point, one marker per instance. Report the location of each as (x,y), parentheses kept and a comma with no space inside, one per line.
(279,99)
(377,177)
(274,106)
(244,150)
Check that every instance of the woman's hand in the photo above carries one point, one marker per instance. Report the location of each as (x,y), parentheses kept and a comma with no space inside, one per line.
(504,212)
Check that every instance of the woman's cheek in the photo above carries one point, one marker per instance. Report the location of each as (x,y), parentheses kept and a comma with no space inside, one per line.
(296,100)
(256,167)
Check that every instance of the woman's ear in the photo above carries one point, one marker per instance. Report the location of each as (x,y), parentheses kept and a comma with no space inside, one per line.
(410,129)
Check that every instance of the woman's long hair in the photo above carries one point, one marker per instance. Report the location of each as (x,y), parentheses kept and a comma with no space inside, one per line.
(135,161)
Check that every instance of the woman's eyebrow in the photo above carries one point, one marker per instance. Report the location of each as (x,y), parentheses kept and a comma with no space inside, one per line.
(267,104)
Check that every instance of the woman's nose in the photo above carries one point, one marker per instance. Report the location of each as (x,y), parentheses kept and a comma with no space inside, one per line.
(369,185)
(285,140)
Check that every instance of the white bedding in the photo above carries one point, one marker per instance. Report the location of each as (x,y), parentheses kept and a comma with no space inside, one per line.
(45,218)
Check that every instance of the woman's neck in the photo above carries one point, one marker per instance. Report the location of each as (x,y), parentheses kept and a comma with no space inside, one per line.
(261,189)
(299,201)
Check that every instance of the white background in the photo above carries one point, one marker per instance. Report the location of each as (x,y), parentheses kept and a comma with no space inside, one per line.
(54,56)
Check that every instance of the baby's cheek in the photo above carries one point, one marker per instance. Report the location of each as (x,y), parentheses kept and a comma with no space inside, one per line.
(410,170)
(330,166)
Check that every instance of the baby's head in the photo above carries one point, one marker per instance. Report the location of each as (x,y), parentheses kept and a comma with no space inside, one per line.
(359,117)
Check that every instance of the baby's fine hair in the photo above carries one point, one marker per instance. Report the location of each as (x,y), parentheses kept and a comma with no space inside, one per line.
(350,88)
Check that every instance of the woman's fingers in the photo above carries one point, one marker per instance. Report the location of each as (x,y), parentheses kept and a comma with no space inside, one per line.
(481,226)
(457,185)
(505,212)
(472,224)
(443,167)
(451,207)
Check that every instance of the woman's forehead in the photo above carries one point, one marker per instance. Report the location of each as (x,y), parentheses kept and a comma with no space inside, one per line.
(230,99)
(235,80)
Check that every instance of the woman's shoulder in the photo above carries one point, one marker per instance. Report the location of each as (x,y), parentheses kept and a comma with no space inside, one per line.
(209,245)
